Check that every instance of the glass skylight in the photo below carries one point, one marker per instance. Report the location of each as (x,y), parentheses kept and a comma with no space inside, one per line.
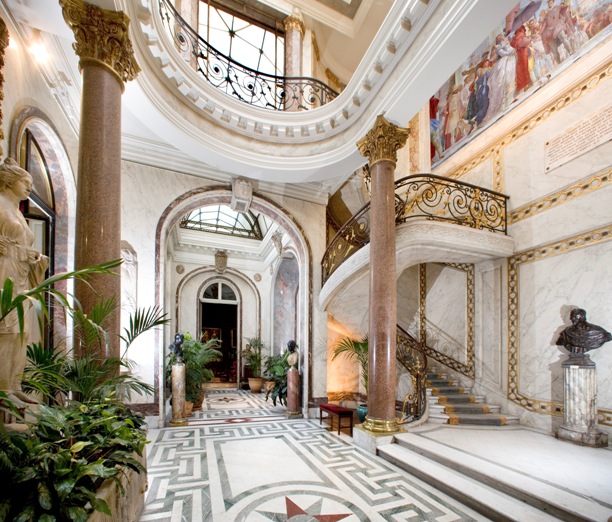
(249,44)
(221,219)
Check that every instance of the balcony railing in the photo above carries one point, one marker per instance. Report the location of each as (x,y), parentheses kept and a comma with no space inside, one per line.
(263,90)
(422,196)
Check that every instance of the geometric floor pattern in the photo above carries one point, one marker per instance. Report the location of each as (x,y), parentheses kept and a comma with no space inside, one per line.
(265,468)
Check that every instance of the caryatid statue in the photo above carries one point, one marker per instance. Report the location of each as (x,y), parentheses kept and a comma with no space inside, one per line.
(22,263)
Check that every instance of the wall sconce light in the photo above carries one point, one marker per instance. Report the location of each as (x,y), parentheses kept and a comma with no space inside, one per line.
(37,48)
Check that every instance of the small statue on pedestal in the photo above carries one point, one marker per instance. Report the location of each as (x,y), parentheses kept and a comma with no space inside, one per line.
(177,346)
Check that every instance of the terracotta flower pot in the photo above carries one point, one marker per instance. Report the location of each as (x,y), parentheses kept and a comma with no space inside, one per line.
(255,384)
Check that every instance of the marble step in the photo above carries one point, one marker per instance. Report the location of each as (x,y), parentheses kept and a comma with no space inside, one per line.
(446,390)
(456,398)
(493,504)
(495,491)
(440,382)
(478,419)
(472,407)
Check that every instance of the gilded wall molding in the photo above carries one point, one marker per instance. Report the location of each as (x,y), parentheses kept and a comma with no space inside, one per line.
(382,141)
(101,37)
(4,41)
(573,191)
(563,246)
(469,367)
(560,102)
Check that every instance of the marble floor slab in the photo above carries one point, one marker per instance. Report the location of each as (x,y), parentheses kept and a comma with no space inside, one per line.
(244,463)
(579,469)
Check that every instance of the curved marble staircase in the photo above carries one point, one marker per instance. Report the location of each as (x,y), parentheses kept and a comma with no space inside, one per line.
(449,403)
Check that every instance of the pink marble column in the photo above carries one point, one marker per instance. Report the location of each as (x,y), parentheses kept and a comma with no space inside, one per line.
(105,67)
(380,145)
(294,34)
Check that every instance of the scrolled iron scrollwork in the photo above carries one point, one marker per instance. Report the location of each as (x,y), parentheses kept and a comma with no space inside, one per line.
(248,85)
(411,354)
(431,197)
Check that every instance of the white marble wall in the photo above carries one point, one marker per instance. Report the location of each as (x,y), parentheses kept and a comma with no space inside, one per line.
(446,310)
(572,275)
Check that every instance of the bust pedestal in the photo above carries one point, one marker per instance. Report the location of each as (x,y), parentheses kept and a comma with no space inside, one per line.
(580,403)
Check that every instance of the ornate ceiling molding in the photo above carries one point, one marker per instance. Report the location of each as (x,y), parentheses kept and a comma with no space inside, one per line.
(416,38)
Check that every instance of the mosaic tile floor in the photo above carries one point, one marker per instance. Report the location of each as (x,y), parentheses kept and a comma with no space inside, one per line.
(240,460)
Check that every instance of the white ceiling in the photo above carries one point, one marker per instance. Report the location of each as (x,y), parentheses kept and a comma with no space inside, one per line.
(315,150)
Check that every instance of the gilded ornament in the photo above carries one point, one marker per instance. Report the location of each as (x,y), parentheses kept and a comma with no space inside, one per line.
(101,37)
(383,141)
(294,23)
(4,41)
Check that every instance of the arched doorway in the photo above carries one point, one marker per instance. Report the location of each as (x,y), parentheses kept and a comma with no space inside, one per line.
(218,319)
(168,289)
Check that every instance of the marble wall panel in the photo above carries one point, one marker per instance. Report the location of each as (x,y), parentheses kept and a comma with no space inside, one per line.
(481,175)
(571,217)
(408,300)
(548,289)
(489,343)
(525,173)
(446,311)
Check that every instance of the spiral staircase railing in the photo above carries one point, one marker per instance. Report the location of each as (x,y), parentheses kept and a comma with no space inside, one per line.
(422,196)
(411,354)
(281,93)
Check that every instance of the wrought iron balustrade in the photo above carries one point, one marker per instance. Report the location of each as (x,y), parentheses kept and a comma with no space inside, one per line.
(281,93)
(411,354)
(422,196)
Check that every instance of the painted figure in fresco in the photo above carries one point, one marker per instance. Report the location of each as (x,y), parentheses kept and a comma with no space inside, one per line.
(581,336)
(502,82)
(521,42)
(434,125)
(556,28)
(482,91)
(24,265)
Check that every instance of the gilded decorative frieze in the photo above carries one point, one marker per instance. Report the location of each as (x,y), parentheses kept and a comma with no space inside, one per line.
(469,367)
(102,37)
(558,247)
(564,100)
(576,190)
(4,41)
(383,141)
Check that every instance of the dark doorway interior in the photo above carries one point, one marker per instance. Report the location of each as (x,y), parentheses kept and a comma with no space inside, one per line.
(221,320)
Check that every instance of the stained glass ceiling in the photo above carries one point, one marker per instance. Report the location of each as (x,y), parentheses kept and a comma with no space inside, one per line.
(221,219)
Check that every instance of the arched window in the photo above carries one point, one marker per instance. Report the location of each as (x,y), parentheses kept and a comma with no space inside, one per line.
(219,292)
(255,40)
(39,209)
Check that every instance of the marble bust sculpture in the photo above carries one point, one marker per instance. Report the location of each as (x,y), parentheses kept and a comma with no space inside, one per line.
(24,265)
(581,336)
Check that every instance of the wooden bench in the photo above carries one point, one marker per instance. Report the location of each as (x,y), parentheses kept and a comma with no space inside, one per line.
(339,412)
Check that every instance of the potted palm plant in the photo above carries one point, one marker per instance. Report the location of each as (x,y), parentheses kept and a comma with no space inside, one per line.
(275,372)
(357,350)
(83,428)
(196,356)
(252,355)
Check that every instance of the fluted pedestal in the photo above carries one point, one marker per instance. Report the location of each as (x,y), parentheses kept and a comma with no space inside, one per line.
(580,403)
(293,394)
(178,395)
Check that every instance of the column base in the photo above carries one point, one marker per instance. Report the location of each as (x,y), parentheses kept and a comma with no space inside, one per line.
(369,440)
(178,422)
(294,415)
(381,426)
(595,439)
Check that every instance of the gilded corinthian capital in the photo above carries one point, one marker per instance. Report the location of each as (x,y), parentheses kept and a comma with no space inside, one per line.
(383,141)
(101,36)
(294,23)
